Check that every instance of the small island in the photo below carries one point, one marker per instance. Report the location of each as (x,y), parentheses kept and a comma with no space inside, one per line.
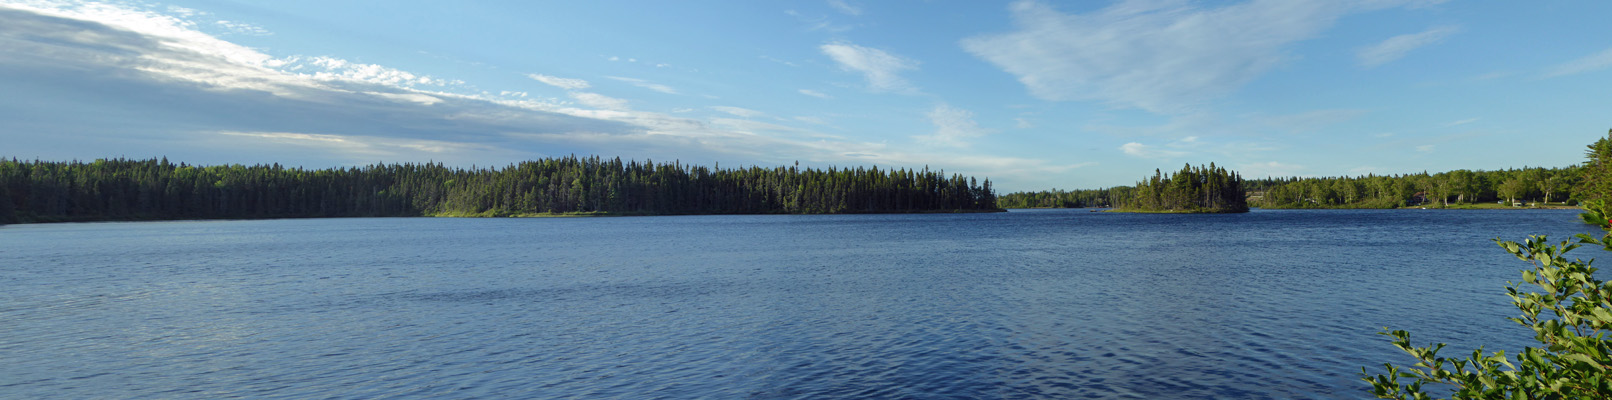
(1193,190)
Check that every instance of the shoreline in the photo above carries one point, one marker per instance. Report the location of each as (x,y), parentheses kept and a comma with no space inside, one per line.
(591,214)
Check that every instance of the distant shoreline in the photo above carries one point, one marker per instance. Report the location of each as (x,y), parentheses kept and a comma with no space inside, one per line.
(1456,207)
(484,215)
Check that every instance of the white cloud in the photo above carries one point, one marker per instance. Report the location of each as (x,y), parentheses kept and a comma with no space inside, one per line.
(339,69)
(1426,148)
(1022,123)
(180,84)
(742,112)
(841,6)
(1163,56)
(1397,46)
(370,146)
(1593,62)
(599,101)
(646,84)
(953,127)
(881,69)
(563,83)
(815,93)
(1144,151)
(243,28)
(1461,122)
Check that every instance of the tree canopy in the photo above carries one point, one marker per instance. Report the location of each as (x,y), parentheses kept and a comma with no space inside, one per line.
(120,189)
(1198,189)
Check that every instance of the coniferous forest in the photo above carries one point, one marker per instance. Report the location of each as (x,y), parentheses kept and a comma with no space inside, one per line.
(1191,190)
(1083,198)
(120,189)
(1444,189)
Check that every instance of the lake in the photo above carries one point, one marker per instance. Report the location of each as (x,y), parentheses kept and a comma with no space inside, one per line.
(1024,304)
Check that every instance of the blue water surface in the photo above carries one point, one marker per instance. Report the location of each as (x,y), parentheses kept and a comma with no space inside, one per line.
(1025,304)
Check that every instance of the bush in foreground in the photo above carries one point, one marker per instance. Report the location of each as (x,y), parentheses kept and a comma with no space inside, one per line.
(1572,361)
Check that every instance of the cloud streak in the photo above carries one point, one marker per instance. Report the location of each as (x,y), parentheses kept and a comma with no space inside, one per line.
(563,83)
(646,84)
(1396,47)
(1594,62)
(1163,56)
(158,87)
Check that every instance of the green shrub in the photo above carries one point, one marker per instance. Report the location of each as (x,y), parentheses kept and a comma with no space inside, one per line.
(1572,360)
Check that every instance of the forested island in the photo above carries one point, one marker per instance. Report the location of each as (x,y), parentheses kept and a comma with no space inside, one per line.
(1199,189)
(121,189)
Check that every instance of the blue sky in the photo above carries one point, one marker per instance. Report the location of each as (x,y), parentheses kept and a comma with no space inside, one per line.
(1031,94)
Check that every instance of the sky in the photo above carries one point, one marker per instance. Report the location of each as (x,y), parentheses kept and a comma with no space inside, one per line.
(1033,95)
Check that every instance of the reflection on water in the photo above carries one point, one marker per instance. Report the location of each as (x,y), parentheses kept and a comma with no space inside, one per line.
(1027,304)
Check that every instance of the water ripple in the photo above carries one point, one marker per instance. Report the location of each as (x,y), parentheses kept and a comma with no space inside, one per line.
(1048,304)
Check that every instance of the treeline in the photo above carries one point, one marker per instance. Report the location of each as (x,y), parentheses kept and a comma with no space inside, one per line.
(1193,189)
(1512,186)
(119,189)
(1594,188)
(1086,198)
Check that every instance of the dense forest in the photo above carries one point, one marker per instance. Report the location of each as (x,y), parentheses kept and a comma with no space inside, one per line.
(1192,190)
(1512,186)
(119,189)
(1594,188)
(1084,198)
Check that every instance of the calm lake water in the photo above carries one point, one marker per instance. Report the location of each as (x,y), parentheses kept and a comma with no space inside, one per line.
(1025,304)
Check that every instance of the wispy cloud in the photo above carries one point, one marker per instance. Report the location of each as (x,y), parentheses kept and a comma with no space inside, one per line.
(742,112)
(882,69)
(563,83)
(815,93)
(243,28)
(372,146)
(1144,151)
(1594,62)
(1160,56)
(1396,47)
(599,101)
(646,84)
(842,6)
(779,61)
(819,23)
(953,127)
(812,120)
(1461,122)
(158,86)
